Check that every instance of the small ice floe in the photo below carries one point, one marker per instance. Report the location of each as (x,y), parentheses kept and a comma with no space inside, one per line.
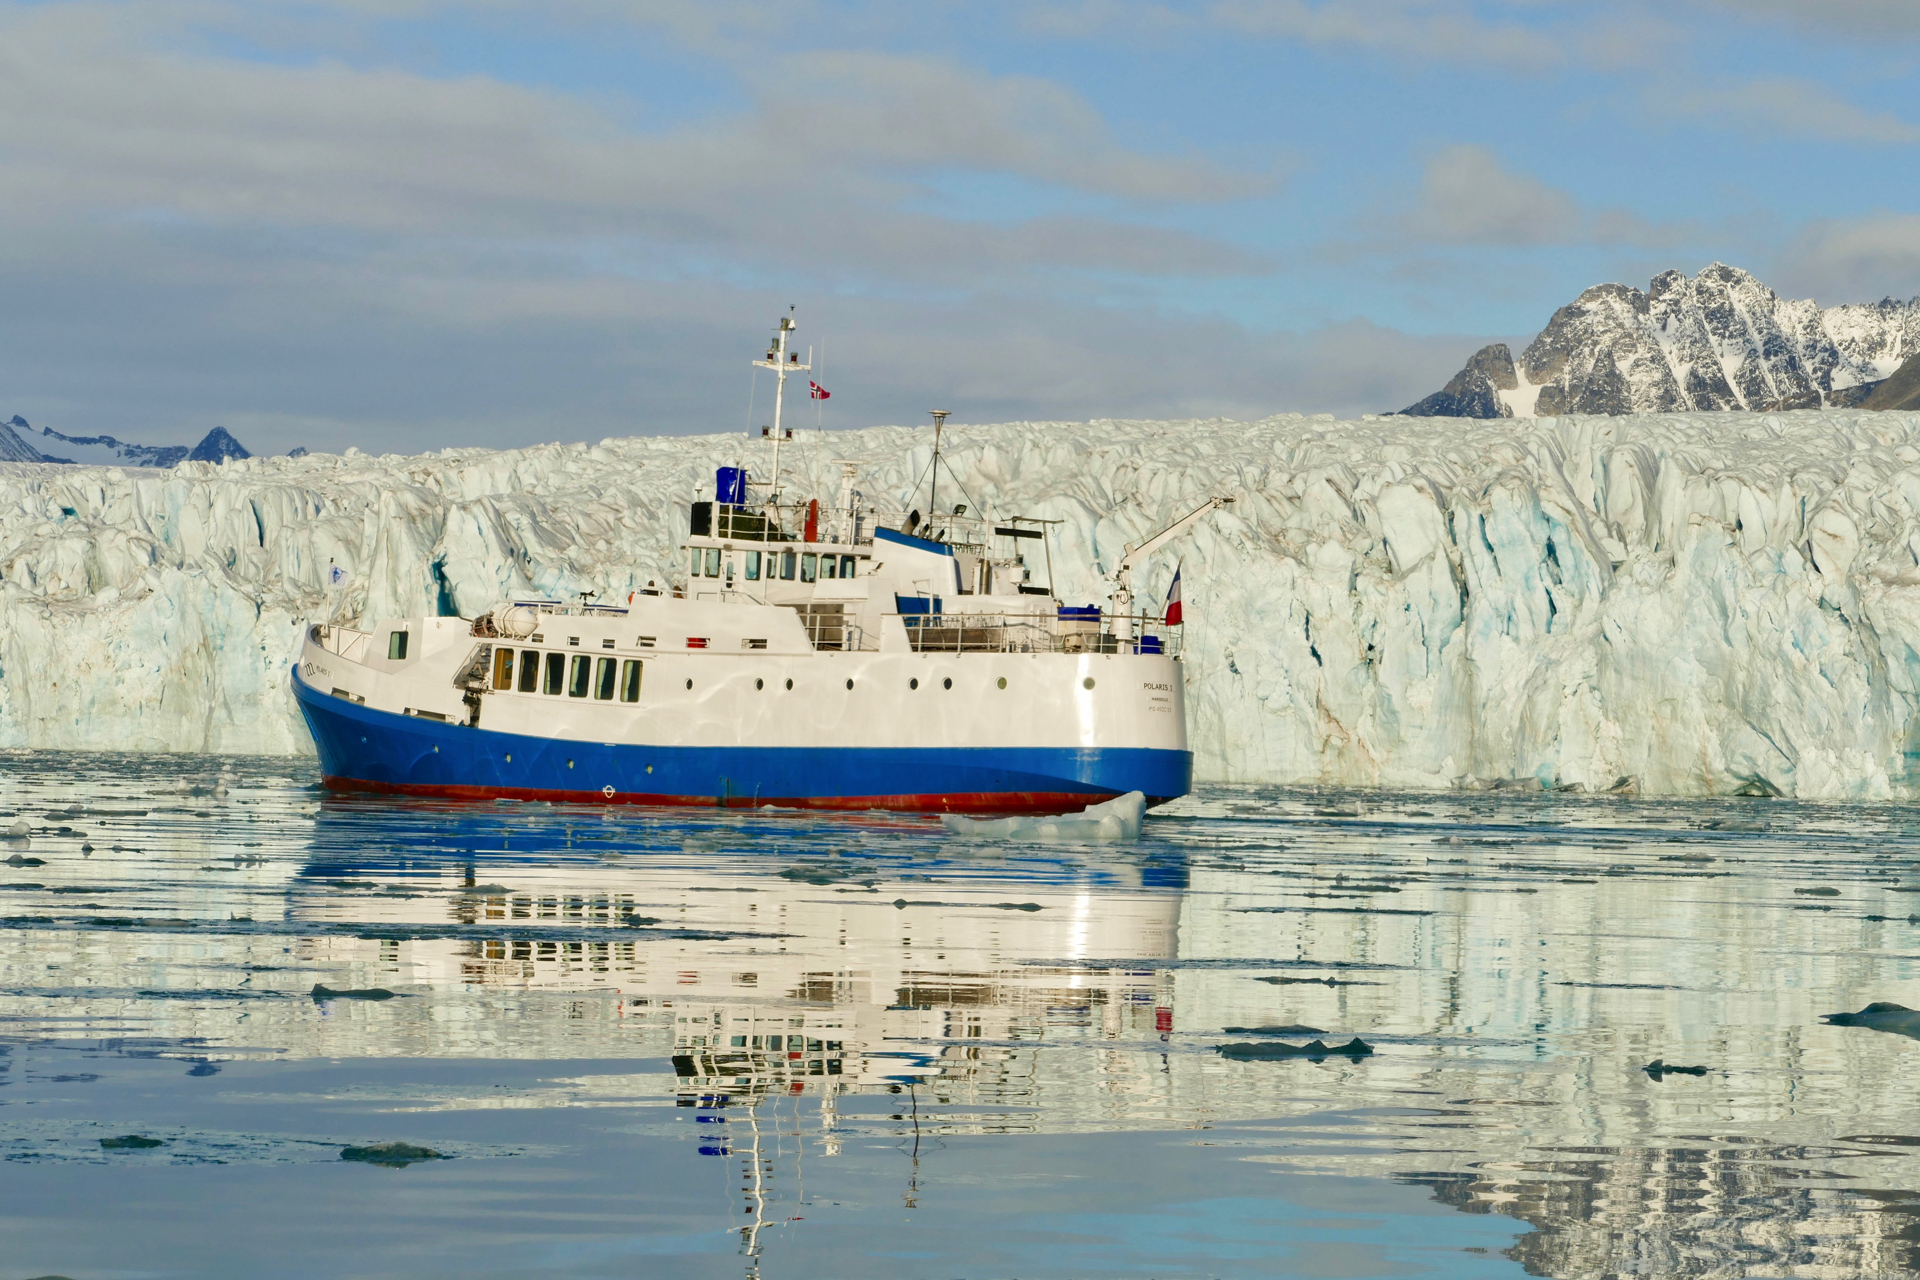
(1881,1015)
(1116,819)
(19,830)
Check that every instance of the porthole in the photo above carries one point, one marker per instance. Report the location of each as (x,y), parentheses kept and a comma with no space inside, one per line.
(789,684)
(759,684)
(649,768)
(1003,682)
(947,683)
(689,684)
(849,684)
(914,683)
(436,750)
(569,764)
(1087,683)
(509,757)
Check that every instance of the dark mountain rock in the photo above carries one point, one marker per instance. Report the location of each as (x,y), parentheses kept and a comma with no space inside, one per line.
(218,446)
(1474,391)
(1901,391)
(12,447)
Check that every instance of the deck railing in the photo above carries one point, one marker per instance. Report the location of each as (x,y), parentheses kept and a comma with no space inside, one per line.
(1031,633)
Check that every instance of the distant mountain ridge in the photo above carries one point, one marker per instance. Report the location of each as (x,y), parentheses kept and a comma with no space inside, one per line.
(1720,340)
(16,445)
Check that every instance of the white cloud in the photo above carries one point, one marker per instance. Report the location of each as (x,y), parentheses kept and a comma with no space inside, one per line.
(1774,105)
(1859,19)
(1466,197)
(1856,259)
(1426,30)
(823,169)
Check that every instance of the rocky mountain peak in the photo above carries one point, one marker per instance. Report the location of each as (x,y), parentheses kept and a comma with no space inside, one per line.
(1718,340)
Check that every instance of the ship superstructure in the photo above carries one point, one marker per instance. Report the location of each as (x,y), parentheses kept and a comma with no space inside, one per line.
(809,653)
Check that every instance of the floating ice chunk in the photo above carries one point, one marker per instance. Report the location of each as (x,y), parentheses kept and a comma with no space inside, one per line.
(19,830)
(1115,819)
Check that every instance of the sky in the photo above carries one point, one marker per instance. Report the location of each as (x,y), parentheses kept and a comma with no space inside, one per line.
(404,225)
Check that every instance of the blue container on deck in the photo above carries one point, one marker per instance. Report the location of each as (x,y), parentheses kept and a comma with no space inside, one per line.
(1080,612)
(730,486)
(1150,644)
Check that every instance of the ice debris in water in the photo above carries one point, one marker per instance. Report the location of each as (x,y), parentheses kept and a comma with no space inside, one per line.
(19,830)
(1695,602)
(1116,819)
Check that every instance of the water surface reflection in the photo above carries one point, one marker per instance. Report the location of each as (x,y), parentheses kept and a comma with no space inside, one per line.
(886,1050)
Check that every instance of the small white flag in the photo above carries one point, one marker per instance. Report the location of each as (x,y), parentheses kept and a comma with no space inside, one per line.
(336,575)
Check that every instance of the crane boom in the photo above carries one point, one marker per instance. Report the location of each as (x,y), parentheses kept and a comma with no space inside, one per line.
(1136,553)
(1122,597)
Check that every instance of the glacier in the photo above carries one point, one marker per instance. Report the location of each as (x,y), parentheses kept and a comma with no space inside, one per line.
(1685,603)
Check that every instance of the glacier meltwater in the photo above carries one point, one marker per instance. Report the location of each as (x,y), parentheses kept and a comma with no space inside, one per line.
(1683,603)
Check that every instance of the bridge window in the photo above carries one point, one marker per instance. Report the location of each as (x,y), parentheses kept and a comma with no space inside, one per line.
(529,670)
(753,566)
(806,571)
(786,566)
(693,566)
(713,562)
(829,566)
(630,682)
(603,679)
(503,668)
(582,676)
(397,643)
(556,672)
(846,566)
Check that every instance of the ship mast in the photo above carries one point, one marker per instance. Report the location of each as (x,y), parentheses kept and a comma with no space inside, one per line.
(782,363)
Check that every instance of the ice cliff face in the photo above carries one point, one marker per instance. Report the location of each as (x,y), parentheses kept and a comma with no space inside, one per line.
(1699,603)
(1721,340)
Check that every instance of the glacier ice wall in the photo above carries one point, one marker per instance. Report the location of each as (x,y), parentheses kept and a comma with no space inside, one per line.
(1699,603)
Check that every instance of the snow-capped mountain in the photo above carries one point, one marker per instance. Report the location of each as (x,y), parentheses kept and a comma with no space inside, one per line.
(1721,340)
(21,442)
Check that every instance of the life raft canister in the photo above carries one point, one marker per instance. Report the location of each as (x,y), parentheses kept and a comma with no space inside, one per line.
(813,521)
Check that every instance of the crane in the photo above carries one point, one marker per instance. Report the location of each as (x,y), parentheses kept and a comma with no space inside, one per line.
(1122,597)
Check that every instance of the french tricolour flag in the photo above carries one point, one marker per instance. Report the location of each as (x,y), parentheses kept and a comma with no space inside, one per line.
(1173,601)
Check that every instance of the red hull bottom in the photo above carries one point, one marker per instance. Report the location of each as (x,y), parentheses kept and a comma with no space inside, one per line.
(996,802)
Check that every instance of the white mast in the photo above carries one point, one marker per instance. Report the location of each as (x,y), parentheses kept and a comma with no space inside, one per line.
(782,364)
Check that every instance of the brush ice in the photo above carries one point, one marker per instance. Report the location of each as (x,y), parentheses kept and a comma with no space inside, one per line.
(1693,602)
(1111,820)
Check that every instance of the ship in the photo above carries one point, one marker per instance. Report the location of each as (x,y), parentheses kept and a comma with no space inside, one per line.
(803,654)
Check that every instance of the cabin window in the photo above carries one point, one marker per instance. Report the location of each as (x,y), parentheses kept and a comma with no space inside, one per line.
(582,676)
(529,670)
(806,567)
(846,566)
(630,682)
(693,566)
(786,566)
(503,668)
(713,562)
(603,678)
(829,566)
(753,566)
(556,672)
(397,643)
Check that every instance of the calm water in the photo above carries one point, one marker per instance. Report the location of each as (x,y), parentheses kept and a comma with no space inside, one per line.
(706,1043)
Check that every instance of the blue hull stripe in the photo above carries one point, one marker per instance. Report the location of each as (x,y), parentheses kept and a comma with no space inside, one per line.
(365,749)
